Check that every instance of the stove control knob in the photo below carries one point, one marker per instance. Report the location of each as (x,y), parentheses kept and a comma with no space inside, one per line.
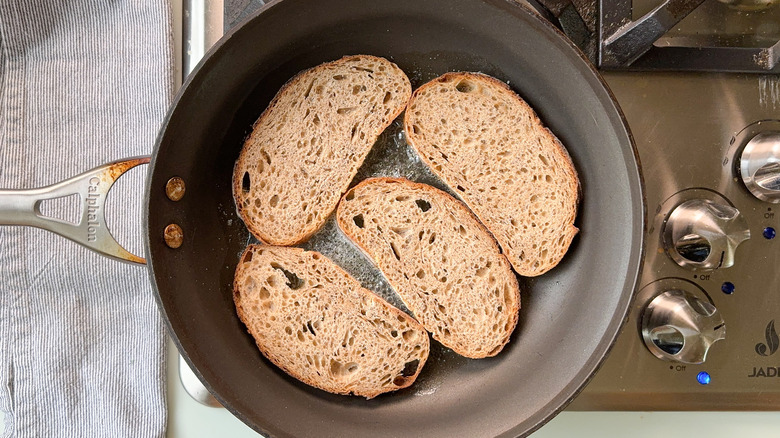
(703,234)
(677,326)
(759,166)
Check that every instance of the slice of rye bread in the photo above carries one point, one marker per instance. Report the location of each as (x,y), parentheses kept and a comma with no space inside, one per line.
(315,322)
(309,143)
(489,146)
(442,262)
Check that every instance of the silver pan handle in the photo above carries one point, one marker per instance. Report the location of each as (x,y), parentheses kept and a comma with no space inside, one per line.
(22,207)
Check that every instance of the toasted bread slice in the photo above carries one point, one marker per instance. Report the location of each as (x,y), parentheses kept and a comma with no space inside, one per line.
(442,262)
(489,146)
(309,143)
(315,322)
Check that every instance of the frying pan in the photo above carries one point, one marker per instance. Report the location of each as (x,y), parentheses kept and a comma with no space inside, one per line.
(569,317)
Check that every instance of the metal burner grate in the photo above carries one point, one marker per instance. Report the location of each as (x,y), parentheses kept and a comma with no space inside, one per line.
(673,35)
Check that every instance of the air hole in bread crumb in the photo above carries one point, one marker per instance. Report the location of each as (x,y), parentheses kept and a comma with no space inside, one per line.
(423,205)
(460,188)
(350,195)
(338,369)
(346,110)
(247,257)
(293,281)
(387,98)
(401,231)
(415,129)
(266,156)
(358,220)
(399,381)
(395,251)
(308,89)
(410,368)
(339,77)
(420,274)
(432,238)
(464,86)
(264,293)
(507,294)
(274,200)
(245,183)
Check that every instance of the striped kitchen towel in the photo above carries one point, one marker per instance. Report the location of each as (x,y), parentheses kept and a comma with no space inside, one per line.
(82,344)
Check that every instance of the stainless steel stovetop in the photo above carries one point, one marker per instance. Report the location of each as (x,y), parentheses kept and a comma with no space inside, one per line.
(700,136)
(693,131)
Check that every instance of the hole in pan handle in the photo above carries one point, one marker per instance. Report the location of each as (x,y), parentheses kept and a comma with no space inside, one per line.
(22,207)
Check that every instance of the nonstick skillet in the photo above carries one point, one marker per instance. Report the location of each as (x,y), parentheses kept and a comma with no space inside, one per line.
(569,317)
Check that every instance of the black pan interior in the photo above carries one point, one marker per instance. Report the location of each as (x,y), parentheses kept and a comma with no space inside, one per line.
(569,317)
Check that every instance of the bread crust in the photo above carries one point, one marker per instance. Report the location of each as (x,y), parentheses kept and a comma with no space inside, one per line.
(323,359)
(313,168)
(530,251)
(469,339)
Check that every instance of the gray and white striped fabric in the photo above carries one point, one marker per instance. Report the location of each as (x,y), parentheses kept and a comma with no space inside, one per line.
(82,344)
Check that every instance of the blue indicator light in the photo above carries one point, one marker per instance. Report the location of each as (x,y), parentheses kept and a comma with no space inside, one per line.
(727,288)
(703,378)
(769,233)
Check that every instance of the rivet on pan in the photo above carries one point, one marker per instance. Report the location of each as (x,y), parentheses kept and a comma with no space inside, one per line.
(174,236)
(175,188)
